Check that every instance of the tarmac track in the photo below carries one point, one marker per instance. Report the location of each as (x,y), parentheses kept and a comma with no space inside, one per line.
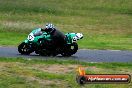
(82,54)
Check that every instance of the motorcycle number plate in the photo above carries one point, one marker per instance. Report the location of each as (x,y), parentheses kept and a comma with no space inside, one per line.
(31,37)
(74,39)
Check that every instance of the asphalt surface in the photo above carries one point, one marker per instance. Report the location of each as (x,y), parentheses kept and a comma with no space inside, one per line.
(82,54)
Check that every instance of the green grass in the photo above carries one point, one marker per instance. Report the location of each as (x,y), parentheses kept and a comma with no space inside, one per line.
(10,38)
(105,24)
(55,73)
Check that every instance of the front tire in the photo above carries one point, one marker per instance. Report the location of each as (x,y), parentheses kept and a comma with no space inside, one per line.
(24,48)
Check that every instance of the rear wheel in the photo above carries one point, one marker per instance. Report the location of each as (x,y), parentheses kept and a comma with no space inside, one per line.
(24,48)
(70,49)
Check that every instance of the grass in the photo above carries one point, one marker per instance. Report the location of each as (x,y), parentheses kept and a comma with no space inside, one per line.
(105,24)
(54,73)
(10,38)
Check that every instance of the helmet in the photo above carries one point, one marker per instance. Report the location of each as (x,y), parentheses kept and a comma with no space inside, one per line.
(49,27)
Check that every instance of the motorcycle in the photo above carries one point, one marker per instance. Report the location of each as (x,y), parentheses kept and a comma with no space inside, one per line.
(36,43)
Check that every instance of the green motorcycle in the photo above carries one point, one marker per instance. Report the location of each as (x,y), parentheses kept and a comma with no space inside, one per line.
(35,43)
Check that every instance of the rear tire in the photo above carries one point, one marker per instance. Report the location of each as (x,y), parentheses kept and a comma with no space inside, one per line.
(24,48)
(70,49)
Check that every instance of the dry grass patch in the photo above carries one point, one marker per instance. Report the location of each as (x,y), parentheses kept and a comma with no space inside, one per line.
(28,72)
(18,25)
(55,68)
(10,64)
(44,82)
(94,68)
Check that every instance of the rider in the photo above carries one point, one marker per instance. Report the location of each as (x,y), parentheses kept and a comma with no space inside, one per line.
(57,37)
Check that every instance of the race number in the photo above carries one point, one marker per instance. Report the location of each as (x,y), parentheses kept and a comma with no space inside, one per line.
(31,37)
(74,39)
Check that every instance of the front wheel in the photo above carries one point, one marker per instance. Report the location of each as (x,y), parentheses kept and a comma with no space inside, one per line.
(70,49)
(24,48)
